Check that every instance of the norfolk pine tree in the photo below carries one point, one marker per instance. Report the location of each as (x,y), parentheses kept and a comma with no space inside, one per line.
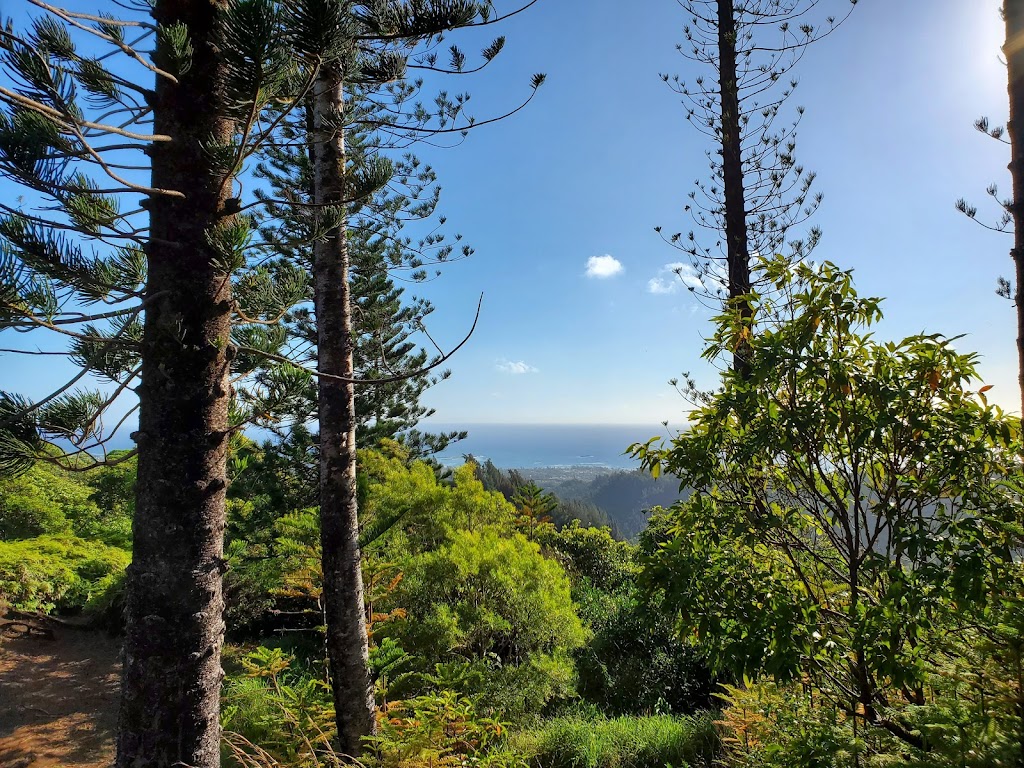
(367,47)
(173,619)
(218,67)
(80,136)
(757,192)
(1012,216)
(1013,12)
(383,324)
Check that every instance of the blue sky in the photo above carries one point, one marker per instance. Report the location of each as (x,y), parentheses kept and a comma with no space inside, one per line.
(603,155)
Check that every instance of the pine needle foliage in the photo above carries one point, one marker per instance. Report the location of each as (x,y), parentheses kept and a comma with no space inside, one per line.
(756,195)
(73,249)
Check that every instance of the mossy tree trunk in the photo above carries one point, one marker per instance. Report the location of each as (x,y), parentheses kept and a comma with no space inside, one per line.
(174,626)
(347,648)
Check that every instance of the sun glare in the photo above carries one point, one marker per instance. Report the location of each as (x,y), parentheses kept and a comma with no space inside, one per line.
(987,34)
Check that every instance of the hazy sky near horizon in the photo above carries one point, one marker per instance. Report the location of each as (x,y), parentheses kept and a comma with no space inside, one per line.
(580,323)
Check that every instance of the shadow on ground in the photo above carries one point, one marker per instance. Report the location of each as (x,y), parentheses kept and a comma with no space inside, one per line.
(58,699)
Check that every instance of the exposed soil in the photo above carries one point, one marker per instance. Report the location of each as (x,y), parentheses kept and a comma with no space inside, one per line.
(58,697)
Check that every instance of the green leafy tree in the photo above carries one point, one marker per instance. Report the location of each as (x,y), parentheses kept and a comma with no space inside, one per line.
(408,510)
(590,555)
(853,502)
(495,605)
(634,663)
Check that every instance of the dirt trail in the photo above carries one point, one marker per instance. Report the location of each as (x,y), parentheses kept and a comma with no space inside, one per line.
(58,699)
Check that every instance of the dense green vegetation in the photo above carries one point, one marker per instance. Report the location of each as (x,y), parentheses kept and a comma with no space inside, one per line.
(65,538)
(481,613)
(850,550)
(831,575)
(839,584)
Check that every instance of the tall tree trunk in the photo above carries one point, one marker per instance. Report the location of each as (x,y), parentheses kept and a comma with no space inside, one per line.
(347,651)
(1013,11)
(738,256)
(170,694)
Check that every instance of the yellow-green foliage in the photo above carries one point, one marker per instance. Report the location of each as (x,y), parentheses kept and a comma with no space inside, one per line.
(274,716)
(440,730)
(486,594)
(623,742)
(43,500)
(493,605)
(50,572)
(769,724)
(420,513)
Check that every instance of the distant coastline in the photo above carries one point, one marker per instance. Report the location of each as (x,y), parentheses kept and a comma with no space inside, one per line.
(578,449)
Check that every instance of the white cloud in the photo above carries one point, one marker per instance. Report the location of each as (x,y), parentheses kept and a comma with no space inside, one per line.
(661,285)
(672,277)
(603,267)
(515,367)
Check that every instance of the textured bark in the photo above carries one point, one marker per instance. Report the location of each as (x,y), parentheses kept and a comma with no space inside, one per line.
(737,253)
(174,626)
(345,616)
(1013,10)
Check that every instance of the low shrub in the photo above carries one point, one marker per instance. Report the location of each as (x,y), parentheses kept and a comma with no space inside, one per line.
(438,730)
(58,572)
(273,715)
(622,742)
(106,603)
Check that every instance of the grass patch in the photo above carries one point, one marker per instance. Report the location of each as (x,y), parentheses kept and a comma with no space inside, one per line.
(622,742)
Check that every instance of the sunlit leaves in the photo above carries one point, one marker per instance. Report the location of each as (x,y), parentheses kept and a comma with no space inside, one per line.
(849,494)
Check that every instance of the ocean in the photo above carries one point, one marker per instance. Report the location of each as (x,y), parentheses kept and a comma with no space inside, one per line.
(546,445)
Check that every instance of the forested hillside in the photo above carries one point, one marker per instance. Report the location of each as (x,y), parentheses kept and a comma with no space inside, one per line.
(619,500)
(214,229)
